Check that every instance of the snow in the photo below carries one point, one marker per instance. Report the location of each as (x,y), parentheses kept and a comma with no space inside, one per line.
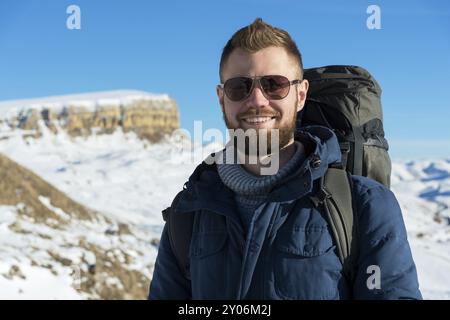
(89,101)
(132,181)
(46,202)
(100,170)
(28,250)
(433,259)
(39,284)
(28,281)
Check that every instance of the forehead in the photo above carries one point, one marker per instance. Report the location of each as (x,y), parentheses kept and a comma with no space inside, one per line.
(271,60)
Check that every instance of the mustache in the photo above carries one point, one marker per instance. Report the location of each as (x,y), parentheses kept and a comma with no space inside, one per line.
(259,113)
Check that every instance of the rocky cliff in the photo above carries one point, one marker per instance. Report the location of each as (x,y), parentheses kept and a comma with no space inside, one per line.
(149,116)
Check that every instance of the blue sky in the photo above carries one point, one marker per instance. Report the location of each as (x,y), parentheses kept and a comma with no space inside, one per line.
(174,47)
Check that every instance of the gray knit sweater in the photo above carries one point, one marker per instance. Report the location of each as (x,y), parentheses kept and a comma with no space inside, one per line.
(250,191)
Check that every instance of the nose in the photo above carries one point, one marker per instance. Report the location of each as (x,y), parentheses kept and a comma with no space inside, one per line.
(256,99)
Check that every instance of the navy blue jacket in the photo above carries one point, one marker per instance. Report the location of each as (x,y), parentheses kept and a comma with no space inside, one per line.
(289,251)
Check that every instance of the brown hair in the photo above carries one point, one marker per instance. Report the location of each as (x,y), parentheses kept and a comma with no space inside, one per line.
(257,36)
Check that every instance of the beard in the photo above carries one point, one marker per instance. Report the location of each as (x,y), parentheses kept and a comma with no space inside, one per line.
(258,142)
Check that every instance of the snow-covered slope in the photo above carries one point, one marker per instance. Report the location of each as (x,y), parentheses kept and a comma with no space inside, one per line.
(131,180)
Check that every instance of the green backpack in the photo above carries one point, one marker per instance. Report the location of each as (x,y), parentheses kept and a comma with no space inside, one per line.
(347,100)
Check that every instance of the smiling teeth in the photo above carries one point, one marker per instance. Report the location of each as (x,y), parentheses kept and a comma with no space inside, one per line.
(258,119)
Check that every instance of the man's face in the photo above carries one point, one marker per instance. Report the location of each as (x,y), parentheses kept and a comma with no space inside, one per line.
(257,111)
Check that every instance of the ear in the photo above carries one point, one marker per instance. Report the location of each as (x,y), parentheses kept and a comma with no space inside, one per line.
(220,96)
(302,92)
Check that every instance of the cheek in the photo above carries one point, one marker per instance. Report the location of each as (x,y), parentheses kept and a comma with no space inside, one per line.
(231,110)
(288,110)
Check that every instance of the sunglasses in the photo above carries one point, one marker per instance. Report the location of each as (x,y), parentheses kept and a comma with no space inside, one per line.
(274,87)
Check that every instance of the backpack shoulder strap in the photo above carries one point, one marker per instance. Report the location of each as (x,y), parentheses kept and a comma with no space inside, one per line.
(179,229)
(180,226)
(336,197)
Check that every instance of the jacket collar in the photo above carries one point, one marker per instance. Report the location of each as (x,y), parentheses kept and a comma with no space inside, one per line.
(206,191)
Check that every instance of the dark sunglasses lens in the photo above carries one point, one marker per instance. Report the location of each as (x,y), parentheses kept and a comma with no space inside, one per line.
(238,89)
(276,87)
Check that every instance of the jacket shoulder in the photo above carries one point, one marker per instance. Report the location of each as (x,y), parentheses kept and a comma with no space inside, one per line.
(368,190)
(378,209)
(383,242)
(364,184)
